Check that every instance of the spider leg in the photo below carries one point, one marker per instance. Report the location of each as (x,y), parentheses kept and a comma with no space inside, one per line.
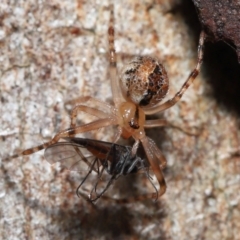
(169,103)
(157,153)
(103,113)
(135,147)
(92,111)
(100,123)
(162,122)
(116,93)
(154,155)
(117,134)
(90,101)
(156,123)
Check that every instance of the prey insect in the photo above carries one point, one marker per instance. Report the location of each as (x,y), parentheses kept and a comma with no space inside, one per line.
(76,154)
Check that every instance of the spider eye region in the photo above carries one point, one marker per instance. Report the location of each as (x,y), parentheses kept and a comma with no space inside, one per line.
(144,81)
(133,119)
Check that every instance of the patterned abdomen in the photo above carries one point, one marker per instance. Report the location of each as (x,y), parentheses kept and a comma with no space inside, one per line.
(144,81)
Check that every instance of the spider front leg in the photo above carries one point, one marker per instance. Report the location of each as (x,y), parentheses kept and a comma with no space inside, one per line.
(116,93)
(103,110)
(157,162)
(185,86)
(100,123)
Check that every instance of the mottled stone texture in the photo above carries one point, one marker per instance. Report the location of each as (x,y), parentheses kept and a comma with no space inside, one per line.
(55,51)
(221,20)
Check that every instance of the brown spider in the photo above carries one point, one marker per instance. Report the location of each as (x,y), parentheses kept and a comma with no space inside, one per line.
(143,83)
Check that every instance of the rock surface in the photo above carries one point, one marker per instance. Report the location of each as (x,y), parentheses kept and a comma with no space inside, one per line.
(53,52)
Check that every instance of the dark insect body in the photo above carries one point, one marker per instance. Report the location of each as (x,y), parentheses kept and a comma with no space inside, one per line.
(78,154)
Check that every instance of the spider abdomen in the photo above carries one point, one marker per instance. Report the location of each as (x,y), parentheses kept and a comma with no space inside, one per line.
(144,81)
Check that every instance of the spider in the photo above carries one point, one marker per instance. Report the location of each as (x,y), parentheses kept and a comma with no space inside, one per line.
(143,83)
(116,159)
